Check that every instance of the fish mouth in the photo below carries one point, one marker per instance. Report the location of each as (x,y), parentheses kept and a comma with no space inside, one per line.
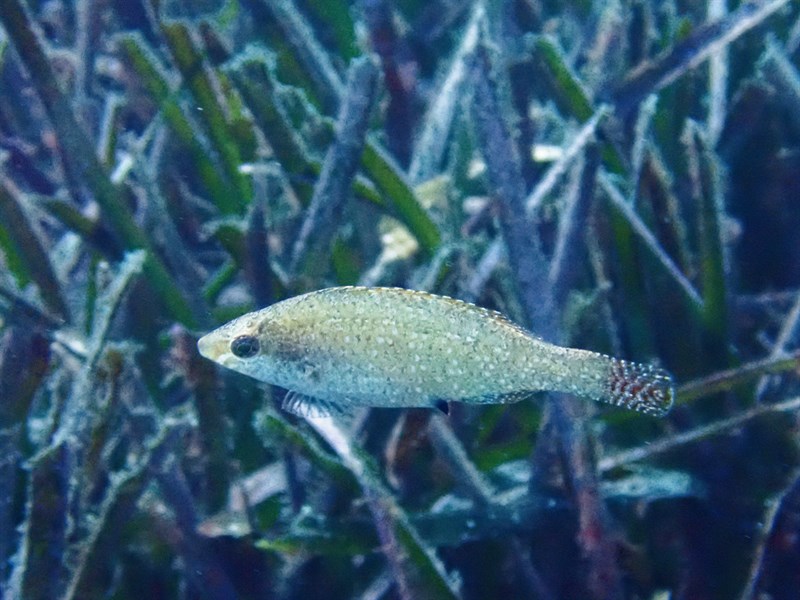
(211,346)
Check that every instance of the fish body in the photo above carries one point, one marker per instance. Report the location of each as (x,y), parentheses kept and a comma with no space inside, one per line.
(357,346)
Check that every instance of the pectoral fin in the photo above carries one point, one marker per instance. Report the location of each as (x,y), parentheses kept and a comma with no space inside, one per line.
(307,406)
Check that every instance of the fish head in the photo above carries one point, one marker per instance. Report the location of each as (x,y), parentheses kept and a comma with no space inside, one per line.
(251,344)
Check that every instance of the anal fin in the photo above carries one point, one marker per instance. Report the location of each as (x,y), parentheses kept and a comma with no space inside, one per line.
(307,406)
(500,398)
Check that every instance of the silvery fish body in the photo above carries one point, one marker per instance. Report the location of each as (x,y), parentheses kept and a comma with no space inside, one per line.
(356,346)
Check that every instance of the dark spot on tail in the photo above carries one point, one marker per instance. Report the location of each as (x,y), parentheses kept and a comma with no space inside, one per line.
(643,388)
(443,406)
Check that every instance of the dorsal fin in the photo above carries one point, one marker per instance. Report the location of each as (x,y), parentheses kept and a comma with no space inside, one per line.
(494,315)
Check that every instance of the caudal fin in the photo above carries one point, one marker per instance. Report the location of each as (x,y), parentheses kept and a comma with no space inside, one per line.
(643,388)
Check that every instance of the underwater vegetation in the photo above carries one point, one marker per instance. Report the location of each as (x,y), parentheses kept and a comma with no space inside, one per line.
(620,176)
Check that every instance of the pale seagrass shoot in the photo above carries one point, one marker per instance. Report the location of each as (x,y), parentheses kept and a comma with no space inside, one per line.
(343,347)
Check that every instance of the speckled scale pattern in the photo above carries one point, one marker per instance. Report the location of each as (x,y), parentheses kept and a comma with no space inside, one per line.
(397,347)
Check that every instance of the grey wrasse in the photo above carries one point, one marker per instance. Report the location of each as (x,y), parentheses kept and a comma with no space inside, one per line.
(343,347)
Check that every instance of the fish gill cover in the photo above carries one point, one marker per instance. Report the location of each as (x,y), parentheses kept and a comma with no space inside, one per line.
(616,176)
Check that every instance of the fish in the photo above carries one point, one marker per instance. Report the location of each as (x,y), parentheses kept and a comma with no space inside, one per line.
(344,347)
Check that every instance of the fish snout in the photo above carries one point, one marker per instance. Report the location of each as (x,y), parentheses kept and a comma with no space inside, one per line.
(211,346)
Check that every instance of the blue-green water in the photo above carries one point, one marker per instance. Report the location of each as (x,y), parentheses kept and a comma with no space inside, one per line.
(616,176)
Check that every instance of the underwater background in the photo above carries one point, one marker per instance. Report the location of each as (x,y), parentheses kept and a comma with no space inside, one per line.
(619,175)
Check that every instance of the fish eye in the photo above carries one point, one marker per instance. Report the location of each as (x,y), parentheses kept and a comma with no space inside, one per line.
(245,346)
